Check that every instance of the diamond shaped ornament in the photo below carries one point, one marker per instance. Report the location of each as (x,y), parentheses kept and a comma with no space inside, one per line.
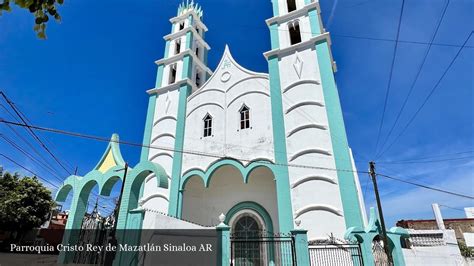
(298,65)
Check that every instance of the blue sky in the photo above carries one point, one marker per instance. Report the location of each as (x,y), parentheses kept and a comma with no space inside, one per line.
(92,72)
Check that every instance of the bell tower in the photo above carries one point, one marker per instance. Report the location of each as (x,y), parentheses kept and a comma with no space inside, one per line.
(308,123)
(181,71)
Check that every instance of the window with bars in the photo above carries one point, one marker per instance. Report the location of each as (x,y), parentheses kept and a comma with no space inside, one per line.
(177,46)
(207,125)
(172,76)
(244,117)
(295,34)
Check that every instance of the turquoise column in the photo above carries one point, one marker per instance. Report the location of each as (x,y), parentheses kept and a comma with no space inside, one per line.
(301,247)
(151,108)
(176,197)
(223,244)
(396,235)
(285,212)
(347,185)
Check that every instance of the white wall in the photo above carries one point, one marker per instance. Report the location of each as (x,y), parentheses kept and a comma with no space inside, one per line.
(445,255)
(227,188)
(222,96)
(320,193)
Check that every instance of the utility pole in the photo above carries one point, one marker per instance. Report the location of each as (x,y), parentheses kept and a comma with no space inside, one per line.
(379,207)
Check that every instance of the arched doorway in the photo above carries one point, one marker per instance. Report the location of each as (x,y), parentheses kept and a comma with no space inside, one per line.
(247,231)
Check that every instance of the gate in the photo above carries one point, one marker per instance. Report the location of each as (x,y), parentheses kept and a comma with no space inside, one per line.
(263,250)
(97,231)
(378,251)
(335,254)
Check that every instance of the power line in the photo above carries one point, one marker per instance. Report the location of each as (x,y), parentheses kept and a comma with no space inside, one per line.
(427,187)
(428,96)
(417,76)
(389,84)
(429,157)
(27,154)
(32,132)
(204,154)
(23,138)
(46,139)
(431,161)
(452,208)
(400,41)
(28,170)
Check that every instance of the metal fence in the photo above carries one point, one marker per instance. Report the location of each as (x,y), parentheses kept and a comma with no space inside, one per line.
(335,255)
(263,250)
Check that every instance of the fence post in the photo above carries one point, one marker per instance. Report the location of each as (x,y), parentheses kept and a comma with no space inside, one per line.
(223,242)
(301,246)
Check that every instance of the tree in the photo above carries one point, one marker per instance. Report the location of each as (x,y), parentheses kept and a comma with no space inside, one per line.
(24,203)
(42,10)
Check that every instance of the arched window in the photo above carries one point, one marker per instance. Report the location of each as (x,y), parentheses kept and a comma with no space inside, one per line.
(244,117)
(291,5)
(207,125)
(177,46)
(295,34)
(248,251)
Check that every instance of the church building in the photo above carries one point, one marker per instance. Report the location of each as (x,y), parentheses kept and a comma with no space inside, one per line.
(267,149)
(241,153)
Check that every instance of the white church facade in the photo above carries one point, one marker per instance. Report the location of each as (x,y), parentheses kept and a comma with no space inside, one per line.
(240,152)
(262,145)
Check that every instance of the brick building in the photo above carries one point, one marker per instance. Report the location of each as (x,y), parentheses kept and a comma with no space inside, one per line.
(460,226)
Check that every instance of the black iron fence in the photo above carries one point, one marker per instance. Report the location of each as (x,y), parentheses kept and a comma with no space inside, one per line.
(263,250)
(335,254)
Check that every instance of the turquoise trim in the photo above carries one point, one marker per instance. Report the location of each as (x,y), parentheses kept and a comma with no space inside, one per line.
(274,36)
(189,35)
(276,11)
(148,128)
(250,205)
(175,200)
(314,22)
(285,212)
(150,117)
(301,247)
(366,235)
(347,185)
(113,145)
(244,170)
(223,245)
(260,210)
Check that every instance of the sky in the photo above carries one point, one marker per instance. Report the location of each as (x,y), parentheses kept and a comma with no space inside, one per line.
(91,74)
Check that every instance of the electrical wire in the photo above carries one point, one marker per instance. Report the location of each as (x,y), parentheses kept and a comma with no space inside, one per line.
(431,161)
(427,187)
(29,171)
(217,156)
(428,157)
(32,132)
(21,137)
(427,97)
(27,154)
(389,84)
(417,76)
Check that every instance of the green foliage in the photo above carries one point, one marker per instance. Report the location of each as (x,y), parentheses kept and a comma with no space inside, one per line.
(42,11)
(465,250)
(24,203)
